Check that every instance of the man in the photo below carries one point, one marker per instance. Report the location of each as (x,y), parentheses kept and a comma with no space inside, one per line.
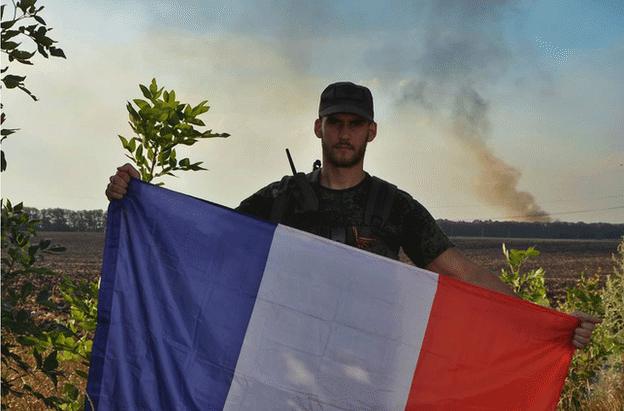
(342,202)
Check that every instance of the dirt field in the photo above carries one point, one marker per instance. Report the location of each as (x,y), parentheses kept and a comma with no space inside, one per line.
(563,260)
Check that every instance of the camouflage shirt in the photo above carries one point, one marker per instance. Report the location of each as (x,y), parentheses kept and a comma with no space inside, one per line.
(409,225)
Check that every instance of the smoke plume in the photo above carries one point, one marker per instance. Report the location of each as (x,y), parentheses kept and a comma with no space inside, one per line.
(464,53)
(497,183)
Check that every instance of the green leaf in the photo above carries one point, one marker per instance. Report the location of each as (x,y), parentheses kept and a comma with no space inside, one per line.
(200,108)
(188,111)
(139,153)
(124,142)
(71,391)
(40,20)
(146,92)
(142,104)
(21,55)
(196,122)
(42,50)
(132,114)
(24,5)
(27,340)
(8,131)
(197,167)
(210,134)
(12,81)
(9,34)
(7,24)
(56,52)
(153,87)
(9,45)
(51,362)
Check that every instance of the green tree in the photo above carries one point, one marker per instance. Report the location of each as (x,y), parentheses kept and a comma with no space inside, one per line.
(23,36)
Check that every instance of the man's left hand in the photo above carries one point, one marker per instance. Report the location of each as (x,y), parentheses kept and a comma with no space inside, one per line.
(583,333)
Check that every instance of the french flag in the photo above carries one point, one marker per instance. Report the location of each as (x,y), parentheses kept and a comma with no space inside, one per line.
(203,308)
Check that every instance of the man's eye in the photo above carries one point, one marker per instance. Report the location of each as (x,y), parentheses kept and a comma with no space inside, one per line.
(357,123)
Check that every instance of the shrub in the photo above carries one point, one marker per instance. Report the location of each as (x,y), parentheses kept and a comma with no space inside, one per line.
(596,377)
(530,285)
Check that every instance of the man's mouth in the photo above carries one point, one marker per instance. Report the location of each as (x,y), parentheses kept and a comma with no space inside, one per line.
(343,146)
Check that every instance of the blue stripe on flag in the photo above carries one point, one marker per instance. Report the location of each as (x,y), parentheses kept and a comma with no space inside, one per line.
(179,281)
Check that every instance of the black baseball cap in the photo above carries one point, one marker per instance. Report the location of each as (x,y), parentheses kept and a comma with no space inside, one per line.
(346,97)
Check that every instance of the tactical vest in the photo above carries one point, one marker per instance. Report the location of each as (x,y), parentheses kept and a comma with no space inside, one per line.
(297,194)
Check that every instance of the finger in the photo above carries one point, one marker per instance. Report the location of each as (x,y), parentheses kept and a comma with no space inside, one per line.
(586,317)
(577,344)
(130,170)
(588,326)
(115,191)
(118,180)
(123,175)
(580,340)
(111,195)
(582,332)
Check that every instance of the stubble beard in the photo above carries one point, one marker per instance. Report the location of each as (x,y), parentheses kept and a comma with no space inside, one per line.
(332,155)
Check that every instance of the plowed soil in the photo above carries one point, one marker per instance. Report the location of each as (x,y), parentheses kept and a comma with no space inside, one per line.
(563,260)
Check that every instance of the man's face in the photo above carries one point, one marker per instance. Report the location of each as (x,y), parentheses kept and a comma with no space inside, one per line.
(344,137)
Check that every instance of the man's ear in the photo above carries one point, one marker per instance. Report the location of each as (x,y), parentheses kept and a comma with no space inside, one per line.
(372,131)
(318,125)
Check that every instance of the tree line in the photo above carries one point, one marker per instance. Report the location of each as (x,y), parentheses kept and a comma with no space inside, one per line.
(60,219)
(517,229)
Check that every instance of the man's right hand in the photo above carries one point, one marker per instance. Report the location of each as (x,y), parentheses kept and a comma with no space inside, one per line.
(118,186)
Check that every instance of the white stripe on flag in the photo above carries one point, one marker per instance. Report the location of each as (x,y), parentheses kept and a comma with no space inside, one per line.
(332,328)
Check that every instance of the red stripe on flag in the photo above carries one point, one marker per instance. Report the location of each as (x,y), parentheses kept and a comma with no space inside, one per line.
(488,351)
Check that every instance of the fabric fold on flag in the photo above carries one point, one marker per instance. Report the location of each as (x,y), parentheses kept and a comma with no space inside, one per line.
(204,308)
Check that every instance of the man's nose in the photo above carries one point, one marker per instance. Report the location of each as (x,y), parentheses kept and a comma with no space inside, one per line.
(344,132)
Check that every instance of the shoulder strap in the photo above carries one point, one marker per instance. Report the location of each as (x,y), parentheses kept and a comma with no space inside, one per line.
(379,203)
(313,177)
(280,200)
(295,189)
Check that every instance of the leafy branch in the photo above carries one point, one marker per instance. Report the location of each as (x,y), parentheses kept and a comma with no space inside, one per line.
(161,123)
(28,28)
(528,285)
(13,39)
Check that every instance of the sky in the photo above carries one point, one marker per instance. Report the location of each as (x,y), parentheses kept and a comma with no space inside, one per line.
(485,109)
